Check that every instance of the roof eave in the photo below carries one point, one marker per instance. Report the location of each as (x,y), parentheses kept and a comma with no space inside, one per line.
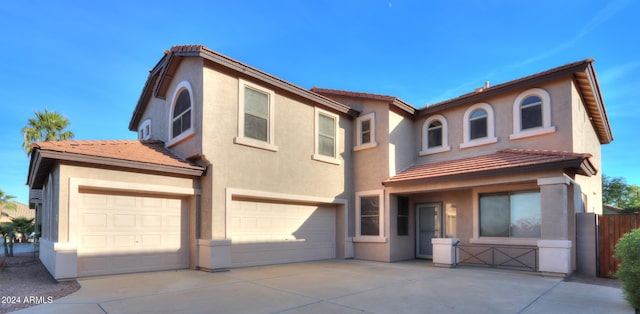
(188,171)
(279,83)
(581,166)
(522,83)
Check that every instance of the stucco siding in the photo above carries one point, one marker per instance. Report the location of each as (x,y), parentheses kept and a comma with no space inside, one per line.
(289,170)
(585,140)
(561,111)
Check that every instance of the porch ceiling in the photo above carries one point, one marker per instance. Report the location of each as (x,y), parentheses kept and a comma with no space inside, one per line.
(501,162)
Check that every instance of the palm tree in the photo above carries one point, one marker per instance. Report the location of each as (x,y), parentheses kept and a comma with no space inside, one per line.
(46,126)
(5,201)
(22,225)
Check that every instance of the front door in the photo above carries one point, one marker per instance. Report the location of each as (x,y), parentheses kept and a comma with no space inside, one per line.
(428,226)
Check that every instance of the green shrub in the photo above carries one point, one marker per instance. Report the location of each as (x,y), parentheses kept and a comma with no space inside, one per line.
(628,252)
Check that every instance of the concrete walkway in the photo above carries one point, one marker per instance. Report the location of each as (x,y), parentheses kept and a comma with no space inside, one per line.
(338,286)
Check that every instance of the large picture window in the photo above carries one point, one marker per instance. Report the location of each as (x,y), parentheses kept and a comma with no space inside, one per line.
(510,214)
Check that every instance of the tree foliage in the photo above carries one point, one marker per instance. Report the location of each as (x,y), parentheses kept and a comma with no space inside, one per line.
(46,126)
(617,192)
(5,201)
(22,225)
(628,252)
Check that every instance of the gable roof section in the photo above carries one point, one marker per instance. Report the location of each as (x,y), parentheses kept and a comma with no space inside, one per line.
(582,72)
(142,155)
(391,100)
(501,162)
(160,76)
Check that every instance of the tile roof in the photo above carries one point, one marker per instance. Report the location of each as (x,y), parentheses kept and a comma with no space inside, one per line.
(22,210)
(509,160)
(392,100)
(148,152)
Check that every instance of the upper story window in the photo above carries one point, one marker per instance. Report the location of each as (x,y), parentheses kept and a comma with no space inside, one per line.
(144,132)
(532,114)
(478,126)
(435,138)
(256,107)
(326,134)
(366,131)
(181,113)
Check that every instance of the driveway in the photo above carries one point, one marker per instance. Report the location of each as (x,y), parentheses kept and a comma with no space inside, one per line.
(338,286)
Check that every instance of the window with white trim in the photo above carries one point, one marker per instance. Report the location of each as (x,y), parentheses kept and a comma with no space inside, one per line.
(366,131)
(370,216)
(144,131)
(510,214)
(181,115)
(532,114)
(478,126)
(256,107)
(326,136)
(435,135)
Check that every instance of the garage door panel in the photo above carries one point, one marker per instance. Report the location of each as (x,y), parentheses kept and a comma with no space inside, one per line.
(271,233)
(120,234)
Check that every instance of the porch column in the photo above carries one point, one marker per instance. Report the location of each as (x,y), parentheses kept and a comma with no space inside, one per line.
(554,245)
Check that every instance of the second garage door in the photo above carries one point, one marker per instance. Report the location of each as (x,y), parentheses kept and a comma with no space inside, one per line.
(123,233)
(265,233)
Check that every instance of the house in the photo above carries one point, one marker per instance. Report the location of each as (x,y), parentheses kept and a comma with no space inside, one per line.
(236,167)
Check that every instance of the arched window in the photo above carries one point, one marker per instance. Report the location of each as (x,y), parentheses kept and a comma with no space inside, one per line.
(478,126)
(532,114)
(434,134)
(181,114)
(435,138)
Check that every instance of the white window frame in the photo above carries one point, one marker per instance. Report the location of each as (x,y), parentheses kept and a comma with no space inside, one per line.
(191,130)
(380,238)
(336,153)
(144,131)
(247,141)
(426,150)
(491,130)
(546,127)
(371,117)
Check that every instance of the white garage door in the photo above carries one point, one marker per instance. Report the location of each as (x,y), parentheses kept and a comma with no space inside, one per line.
(123,234)
(272,233)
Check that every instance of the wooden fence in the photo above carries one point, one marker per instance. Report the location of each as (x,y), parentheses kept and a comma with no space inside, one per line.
(611,228)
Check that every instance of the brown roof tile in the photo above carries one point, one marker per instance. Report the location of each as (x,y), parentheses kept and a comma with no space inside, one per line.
(149,152)
(497,163)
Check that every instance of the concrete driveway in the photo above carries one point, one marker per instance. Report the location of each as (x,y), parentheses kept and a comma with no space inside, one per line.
(338,286)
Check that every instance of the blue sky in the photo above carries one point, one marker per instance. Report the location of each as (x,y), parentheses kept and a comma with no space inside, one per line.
(89,59)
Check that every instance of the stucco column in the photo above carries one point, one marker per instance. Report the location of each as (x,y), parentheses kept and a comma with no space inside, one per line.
(554,246)
(554,208)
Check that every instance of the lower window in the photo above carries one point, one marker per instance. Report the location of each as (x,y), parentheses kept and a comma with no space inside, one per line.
(510,214)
